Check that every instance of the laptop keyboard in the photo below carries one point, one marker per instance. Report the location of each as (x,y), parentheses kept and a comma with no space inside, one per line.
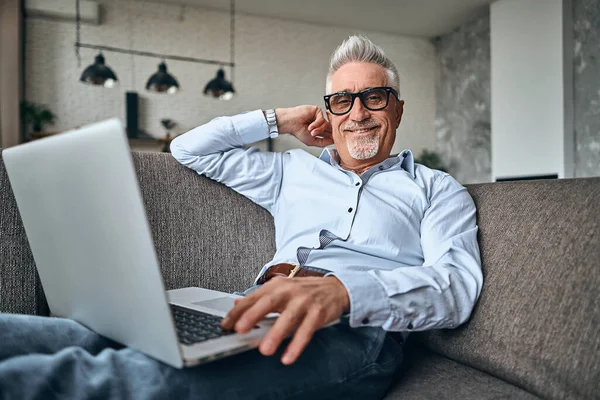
(195,326)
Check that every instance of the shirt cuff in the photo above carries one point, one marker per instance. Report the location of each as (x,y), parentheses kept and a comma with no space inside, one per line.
(251,127)
(369,303)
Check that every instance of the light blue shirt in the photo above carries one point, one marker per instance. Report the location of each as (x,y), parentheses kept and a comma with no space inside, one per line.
(407,247)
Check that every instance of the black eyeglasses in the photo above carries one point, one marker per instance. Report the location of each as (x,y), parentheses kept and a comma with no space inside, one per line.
(373,99)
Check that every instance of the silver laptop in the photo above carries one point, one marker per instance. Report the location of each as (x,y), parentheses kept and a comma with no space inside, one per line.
(82,209)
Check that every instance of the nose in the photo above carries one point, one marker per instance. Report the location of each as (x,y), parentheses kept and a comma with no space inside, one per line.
(359,112)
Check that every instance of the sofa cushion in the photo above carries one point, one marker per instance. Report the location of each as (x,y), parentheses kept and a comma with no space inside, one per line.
(536,323)
(20,288)
(427,375)
(205,234)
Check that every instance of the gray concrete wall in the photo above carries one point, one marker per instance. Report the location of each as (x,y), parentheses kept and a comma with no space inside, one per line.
(586,70)
(463,96)
(463,112)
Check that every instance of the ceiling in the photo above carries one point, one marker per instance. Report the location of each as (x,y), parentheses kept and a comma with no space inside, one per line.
(425,18)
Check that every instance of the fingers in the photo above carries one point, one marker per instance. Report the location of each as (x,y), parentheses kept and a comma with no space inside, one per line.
(318,121)
(322,134)
(313,320)
(256,313)
(283,327)
(323,130)
(247,312)
(320,127)
(240,306)
(304,303)
(314,125)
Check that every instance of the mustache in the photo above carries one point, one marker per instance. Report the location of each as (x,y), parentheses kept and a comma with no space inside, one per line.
(366,124)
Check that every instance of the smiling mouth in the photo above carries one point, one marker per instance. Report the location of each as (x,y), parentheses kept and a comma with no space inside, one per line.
(362,131)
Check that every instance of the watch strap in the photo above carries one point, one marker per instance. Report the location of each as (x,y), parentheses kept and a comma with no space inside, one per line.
(272,123)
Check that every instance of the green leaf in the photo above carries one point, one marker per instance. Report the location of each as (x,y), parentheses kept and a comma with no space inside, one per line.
(432,160)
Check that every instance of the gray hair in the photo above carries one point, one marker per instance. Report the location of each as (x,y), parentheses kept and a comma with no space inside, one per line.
(358,48)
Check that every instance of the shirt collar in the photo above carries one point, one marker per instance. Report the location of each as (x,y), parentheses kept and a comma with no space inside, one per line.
(407,160)
(330,156)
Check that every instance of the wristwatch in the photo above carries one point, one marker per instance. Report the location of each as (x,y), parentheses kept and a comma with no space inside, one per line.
(272,123)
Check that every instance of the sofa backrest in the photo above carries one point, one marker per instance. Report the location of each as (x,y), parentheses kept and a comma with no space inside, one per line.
(537,322)
(204,234)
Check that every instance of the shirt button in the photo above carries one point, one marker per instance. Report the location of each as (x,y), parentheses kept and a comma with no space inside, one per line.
(410,325)
(381,167)
(350,210)
(357,184)
(365,321)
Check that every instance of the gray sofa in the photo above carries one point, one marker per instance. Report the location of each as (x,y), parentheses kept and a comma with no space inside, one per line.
(534,332)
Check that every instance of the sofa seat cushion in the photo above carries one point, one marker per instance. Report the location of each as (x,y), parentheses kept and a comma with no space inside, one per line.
(427,375)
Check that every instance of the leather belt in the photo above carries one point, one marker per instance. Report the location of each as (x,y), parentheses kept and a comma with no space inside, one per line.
(285,269)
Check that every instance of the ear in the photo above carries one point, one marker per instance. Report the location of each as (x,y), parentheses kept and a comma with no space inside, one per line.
(399,112)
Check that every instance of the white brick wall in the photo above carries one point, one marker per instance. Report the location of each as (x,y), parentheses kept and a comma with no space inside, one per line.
(280,63)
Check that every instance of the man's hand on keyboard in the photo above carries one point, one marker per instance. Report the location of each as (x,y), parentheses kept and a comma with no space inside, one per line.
(305,304)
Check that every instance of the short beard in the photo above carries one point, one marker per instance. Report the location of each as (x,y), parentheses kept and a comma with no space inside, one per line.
(363,147)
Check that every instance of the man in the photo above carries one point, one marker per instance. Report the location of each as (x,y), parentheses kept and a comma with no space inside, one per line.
(382,242)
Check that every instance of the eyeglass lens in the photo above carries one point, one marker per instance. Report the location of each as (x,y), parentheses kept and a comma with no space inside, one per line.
(374,99)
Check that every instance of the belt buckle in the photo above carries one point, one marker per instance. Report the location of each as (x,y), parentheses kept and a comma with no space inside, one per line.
(294,271)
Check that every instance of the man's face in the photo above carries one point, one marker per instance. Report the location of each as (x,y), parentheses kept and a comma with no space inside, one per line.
(362,134)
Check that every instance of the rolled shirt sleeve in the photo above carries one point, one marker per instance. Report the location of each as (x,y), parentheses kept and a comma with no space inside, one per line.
(442,292)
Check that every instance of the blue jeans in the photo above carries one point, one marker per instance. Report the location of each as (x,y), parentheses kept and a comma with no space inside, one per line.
(43,357)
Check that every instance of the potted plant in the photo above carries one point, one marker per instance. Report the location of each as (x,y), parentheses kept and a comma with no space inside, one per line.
(432,160)
(37,115)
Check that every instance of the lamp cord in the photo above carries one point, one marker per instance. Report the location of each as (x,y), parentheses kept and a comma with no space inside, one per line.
(77,33)
(232,40)
(131,30)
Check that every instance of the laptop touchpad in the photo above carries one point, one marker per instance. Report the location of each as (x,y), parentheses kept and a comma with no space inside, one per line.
(220,303)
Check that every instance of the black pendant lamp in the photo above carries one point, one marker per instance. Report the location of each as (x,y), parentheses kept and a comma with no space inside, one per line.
(219,87)
(99,74)
(162,81)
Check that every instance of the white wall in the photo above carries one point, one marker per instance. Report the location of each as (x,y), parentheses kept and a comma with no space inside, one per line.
(279,64)
(529,111)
